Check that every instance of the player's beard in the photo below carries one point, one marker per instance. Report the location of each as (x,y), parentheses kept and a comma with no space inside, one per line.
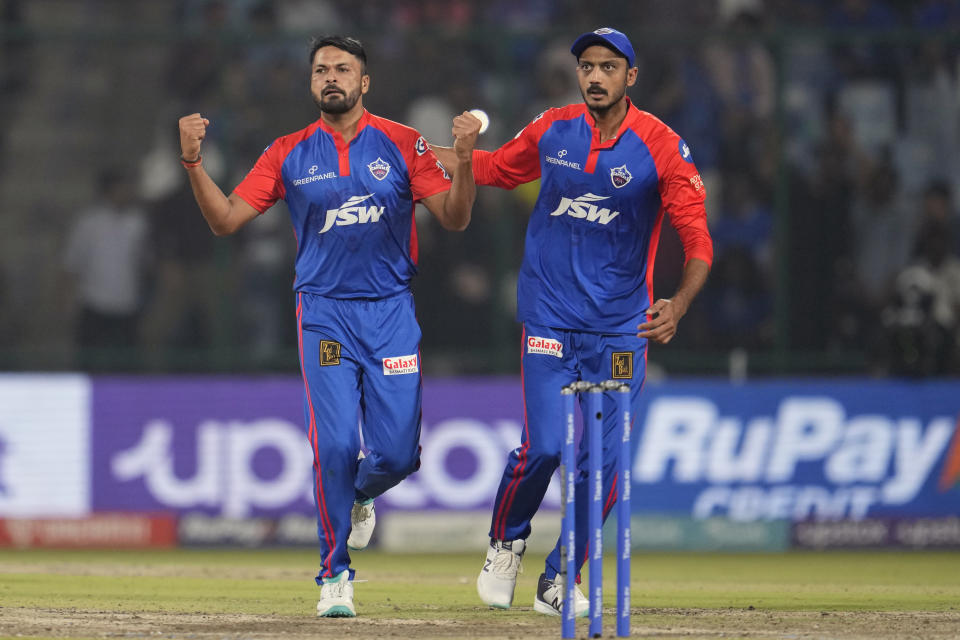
(337,103)
(603,108)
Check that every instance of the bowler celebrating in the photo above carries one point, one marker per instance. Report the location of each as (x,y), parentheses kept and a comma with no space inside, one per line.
(350,180)
(609,173)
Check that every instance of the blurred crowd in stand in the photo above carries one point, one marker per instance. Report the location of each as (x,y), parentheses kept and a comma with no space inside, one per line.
(788,106)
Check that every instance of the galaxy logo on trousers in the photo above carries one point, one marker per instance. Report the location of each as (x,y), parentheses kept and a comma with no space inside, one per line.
(620,176)
(379,168)
(545,346)
(401,364)
(352,212)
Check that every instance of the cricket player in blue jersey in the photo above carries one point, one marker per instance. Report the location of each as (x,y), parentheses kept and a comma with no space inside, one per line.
(609,172)
(350,180)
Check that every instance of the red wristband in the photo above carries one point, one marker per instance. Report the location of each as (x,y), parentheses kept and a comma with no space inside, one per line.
(190,165)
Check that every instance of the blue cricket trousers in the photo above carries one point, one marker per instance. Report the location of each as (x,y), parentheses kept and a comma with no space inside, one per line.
(358,357)
(551,359)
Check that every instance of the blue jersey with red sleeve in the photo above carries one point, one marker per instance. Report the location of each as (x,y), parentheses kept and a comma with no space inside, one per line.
(352,205)
(592,236)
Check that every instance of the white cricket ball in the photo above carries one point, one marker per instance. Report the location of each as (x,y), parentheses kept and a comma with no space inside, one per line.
(482,116)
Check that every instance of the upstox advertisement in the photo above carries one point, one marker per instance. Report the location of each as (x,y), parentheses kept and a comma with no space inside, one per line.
(235,448)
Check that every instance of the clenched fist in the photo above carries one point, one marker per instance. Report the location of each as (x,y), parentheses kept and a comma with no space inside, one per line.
(466,128)
(193,129)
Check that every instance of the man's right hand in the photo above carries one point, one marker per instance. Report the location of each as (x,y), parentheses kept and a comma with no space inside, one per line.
(193,129)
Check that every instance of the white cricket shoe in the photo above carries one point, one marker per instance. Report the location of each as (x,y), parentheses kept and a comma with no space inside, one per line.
(363,518)
(499,574)
(336,598)
(549,598)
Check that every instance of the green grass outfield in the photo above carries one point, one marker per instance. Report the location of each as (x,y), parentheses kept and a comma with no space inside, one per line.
(270,593)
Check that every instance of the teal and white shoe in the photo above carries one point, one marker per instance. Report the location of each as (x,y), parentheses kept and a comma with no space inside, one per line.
(363,518)
(336,598)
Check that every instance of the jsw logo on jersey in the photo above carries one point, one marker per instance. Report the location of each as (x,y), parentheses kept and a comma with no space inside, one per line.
(810,460)
(352,212)
(584,208)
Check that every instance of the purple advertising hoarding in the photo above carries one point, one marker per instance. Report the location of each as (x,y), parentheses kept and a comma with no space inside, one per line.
(236,447)
(784,450)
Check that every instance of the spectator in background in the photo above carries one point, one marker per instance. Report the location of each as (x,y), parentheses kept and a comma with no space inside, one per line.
(183,309)
(936,13)
(857,60)
(819,234)
(883,227)
(106,256)
(196,69)
(937,206)
(13,70)
(923,319)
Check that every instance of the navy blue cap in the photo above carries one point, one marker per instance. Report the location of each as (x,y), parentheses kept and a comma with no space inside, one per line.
(607,37)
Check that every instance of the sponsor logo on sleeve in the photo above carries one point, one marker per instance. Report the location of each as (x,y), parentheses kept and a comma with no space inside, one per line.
(443,169)
(401,364)
(421,146)
(620,176)
(545,346)
(379,168)
(697,182)
(329,353)
(622,365)
(685,152)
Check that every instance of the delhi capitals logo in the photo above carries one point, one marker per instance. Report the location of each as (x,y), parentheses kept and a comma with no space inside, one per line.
(379,168)
(620,176)
(421,146)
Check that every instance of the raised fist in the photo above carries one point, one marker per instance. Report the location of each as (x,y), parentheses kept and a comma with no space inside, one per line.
(466,128)
(193,129)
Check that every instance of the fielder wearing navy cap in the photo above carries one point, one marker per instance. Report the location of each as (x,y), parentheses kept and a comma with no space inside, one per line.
(610,38)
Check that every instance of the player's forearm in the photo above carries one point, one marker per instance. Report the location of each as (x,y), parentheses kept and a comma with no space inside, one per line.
(214,205)
(447,157)
(459,203)
(694,276)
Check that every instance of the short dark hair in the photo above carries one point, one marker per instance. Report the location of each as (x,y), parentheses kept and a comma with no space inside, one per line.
(346,43)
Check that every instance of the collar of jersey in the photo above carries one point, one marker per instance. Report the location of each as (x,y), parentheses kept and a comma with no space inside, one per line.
(632,114)
(337,138)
